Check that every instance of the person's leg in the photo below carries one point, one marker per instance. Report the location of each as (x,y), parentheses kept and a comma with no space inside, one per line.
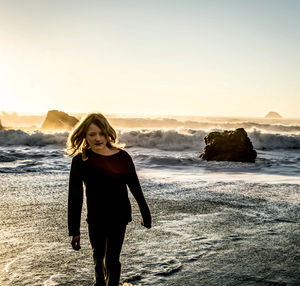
(97,238)
(114,242)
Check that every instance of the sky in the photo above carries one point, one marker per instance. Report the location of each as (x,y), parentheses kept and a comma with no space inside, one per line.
(166,57)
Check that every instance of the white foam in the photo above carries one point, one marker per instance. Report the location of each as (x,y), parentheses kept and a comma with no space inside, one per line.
(51,280)
(162,139)
(36,138)
(262,140)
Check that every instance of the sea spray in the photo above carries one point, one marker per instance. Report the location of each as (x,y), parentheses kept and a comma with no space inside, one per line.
(19,137)
(162,139)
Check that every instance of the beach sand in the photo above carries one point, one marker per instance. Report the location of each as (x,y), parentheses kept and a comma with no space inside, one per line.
(192,242)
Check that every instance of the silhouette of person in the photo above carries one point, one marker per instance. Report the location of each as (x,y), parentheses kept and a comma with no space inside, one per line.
(105,170)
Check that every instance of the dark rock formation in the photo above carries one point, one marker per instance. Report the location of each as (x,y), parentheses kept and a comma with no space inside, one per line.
(273,115)
(1,127)
(58,120)
(228,146)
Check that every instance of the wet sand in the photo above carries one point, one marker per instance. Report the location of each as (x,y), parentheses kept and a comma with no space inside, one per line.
(193,242)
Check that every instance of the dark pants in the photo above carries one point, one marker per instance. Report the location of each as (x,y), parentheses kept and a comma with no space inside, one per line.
(106,242)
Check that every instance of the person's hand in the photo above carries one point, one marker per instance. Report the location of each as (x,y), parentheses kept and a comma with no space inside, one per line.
(76,242)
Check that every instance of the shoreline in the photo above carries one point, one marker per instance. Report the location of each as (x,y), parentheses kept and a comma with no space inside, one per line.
(217,240)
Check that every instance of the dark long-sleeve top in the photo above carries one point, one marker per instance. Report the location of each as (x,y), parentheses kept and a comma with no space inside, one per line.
(106,179)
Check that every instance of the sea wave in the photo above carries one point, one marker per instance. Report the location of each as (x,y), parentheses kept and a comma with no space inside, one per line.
(206,123)
(172,140)
(263,127)
(12,155)
(162,139)
(267,141)
(179,140)
(19,137)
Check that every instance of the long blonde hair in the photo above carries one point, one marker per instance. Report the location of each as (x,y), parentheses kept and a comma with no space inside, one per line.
(77,143)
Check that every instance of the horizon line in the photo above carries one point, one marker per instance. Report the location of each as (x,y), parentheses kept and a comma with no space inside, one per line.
(132,114)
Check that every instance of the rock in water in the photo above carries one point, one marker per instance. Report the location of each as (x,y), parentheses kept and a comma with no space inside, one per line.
(1,127)
(228,146)
(273,115)
(58,120)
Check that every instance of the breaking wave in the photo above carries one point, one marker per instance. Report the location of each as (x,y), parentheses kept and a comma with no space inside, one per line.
(13,137)
(173,140)
(162,139)
(274,141)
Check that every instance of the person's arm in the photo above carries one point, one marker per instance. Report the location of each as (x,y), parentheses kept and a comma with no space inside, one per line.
(75,202)
(135,188)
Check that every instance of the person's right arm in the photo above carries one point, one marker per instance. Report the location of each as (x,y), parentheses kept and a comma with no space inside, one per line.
(75,199)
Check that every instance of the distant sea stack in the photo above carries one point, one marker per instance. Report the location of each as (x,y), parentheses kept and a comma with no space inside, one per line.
(58,120)
(1,127)
(273,114)
(229,146)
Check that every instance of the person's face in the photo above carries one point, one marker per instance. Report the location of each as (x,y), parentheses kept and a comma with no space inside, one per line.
(95,138)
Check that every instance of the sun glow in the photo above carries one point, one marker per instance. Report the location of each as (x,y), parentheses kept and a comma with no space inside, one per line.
(177,64)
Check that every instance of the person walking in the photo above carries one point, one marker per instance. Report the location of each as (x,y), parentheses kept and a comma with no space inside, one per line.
(105,170)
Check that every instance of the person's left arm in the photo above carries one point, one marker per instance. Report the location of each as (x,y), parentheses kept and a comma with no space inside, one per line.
(136,190)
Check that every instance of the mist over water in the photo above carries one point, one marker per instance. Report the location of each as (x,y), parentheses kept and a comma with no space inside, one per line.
(215,223)
(172,133)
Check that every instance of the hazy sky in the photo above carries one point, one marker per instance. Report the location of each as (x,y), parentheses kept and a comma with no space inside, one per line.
(205,57)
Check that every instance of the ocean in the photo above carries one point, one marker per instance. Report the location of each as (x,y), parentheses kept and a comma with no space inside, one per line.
(214,223)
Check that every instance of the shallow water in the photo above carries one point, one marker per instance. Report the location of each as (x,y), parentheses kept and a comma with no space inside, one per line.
(214,223)
(205,232)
